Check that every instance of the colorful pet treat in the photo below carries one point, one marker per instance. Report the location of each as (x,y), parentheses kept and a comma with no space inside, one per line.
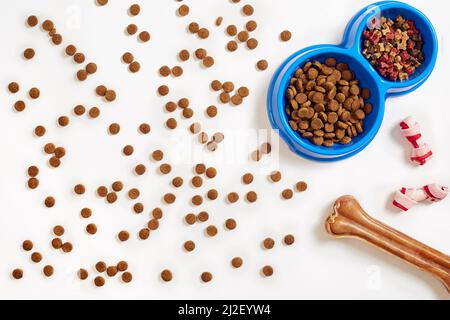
(394,48)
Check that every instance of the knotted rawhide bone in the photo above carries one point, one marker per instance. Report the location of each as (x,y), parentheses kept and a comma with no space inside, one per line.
(406,198)
(350,220)
(421,151)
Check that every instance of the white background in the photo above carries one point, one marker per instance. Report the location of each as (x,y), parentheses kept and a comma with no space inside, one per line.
(316,267)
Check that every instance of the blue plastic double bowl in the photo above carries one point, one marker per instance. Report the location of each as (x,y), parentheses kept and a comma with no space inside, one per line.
(350,52)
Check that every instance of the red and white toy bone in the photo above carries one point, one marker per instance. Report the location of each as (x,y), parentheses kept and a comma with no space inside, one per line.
(421,151)
(406,198)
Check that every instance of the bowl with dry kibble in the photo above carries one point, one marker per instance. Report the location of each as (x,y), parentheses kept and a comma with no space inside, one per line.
(328,101)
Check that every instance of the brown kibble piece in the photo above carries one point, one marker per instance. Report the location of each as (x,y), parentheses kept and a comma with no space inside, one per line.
(211,231)
(177,71)
(144,128)
(286,35)
(29,53)
(33,171)
(102,191)
(301,186)
(144,234)
(140,169)
(134,193)
(230,224)
(83,274)
(138,208)
(132,29)
(49,202)
(94,112)
(268,243)
(237,262)
(101,90)
(91,229)
(232,46)
(200,53)
(190,218)
(197,200)
(100,266)
(110,95)
(79,57)
(123,236)
(79,110)
(251,196)
(128,150)
(157,213)
(248,10)
(163,90)
(17,274)
(71,50)
(177,182)
(19,106)
(67,247)
(57,243)
(183,10)
(157,155)
(247,178)
(48,25)
(208,61)
(193,27)
(206,277)
(36,257)
(86,213)
(289,239)
(114,128)
(122,266)
(233,197)
(79,189)
(166,275)
(111,197)
(287,194)
(32,21)
(134,67)
(211,172)
(117,186)
(165,168)
(34,93)
(184,55)
(203,33)
(203,216)
(54,162)
(27,245)
(262,65)
(144,36)
(169,198)
(48,271)
(189,246)
(212,194)
(33,183)
(99,281)
(39,131)
(91,68)
(195,127)
(218,21)
(111,271)
(82,75)
(267,271)
(275,176)
(153,224)
(13,87)
(200,168)
(58,230)
(134,9)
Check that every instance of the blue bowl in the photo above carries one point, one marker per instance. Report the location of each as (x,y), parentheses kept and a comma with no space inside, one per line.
(350,52)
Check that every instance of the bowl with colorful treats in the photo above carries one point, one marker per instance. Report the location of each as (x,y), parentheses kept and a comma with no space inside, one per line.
(327,101)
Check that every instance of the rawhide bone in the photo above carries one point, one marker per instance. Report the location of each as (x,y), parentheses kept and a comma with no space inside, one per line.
(350,220)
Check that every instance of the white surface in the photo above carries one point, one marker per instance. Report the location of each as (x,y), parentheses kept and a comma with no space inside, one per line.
(315,267)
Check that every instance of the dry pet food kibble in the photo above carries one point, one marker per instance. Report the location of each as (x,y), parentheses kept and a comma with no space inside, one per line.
(325,103)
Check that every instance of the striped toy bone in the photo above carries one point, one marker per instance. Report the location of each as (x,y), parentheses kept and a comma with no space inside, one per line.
(406,198)
(350,220)
(421,151)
